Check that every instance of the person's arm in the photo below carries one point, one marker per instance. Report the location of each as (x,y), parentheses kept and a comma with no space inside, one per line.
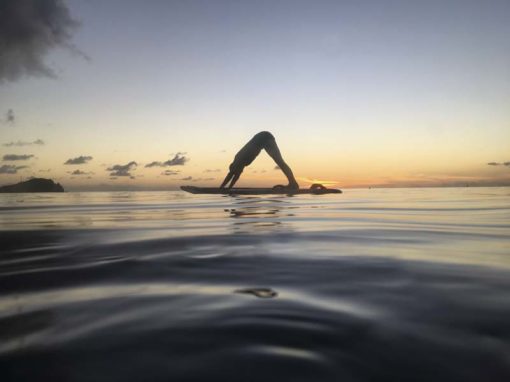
(232,176)
(234,179)
(227,178)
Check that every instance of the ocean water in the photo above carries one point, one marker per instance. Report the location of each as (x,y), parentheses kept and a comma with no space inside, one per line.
(370,285)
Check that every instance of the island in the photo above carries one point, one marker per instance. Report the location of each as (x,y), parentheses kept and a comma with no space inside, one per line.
(33,185)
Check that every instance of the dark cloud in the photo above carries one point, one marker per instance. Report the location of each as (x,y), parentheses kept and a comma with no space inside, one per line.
(38,142)
(499,164)
(79,172)
(215,170)
(10,169)
(154,164)
(82,159)
(277,168)
(12,157)
(9,116)
(178,160)
(29,29)
(122,169)
(170,172)
(187,178)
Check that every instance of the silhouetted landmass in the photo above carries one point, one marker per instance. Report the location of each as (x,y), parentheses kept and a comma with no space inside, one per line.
(34,185)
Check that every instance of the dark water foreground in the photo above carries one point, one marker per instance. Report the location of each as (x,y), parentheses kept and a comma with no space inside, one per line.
(374,285)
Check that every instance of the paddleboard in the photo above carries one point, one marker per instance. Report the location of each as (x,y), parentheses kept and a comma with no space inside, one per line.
(317,190)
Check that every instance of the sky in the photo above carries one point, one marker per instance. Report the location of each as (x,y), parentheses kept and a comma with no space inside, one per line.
(102,95)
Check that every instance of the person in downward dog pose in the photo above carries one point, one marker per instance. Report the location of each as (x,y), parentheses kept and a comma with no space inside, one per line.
(263,140)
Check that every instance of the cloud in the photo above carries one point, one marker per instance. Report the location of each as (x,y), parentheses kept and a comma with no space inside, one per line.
(29,29)
(10,169)
(12,157)
(499,164)
(79,172)
(199,179)
(178,160)
(215,170)
(82,159)
(170,172)
(9,115)
(277,168)
(38,142)
(187,178)
(154,164)
(122,169)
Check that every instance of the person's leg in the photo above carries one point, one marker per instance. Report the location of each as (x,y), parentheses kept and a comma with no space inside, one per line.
(274,152)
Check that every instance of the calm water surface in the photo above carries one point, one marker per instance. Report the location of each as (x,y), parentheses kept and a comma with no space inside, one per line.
(370,285)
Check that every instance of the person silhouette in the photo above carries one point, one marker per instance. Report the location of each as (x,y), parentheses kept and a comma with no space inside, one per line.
(263,140)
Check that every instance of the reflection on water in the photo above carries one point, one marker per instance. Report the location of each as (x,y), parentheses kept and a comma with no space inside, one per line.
(370,285)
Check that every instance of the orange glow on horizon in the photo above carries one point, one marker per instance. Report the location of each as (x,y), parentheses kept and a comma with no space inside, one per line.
(323,182)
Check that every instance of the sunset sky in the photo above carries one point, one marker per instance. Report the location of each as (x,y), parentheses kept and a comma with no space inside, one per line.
(357,93)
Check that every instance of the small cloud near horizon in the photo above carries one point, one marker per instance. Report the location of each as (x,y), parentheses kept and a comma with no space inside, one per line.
(10,169)
(122,169)
(13,157)
(80,172)
(38,142)
(499,164)
(82,159)
(170,172)
(201,179)
(187,178)
(178,160)
(215,170)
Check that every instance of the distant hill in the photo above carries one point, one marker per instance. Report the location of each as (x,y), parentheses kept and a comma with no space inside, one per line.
(34,185)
